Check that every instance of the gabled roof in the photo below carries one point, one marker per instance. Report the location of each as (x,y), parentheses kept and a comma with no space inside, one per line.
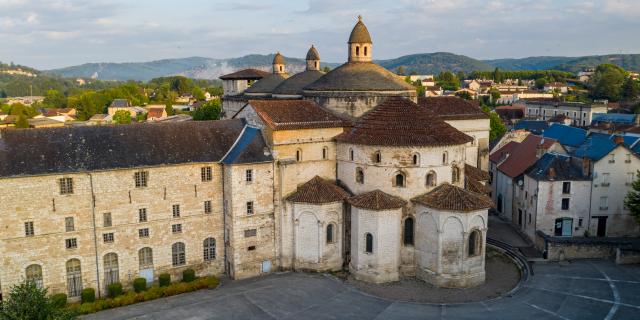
(401,122)
(533,126)
(92,148)
(524,155)
(246,74)
(620,118)
(452,108)
(451,198)
(566,135)
(318,191)
(475,173)
(295,114)
(554,166)
(155,113)
(248,148)
(598,145)
(120,103)
(266,84)
(376,200)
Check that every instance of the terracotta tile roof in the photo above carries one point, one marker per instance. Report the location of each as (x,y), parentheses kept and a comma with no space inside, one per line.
(499,154)
(475,173)
(401,122)
(376,200)
(476,186)
(318,190)
(524,155)
(155,113)
(452,108)
(451,198)
(295,114)
(248,74)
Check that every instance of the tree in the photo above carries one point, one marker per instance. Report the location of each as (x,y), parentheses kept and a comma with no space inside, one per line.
(22,122)
(208,111)
(630,90)
(400,70)
(326,69)
(198,94)
(122,117)
(606,82)
(497,75)
(497,128)
(632,200)
(461,75)
(540,83)
(27,301)
(495,95)
(54,99)
(448,81)
(464,95)
(168,107)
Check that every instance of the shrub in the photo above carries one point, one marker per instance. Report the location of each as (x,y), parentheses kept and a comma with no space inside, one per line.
(154,292)
(115,289)
(58,300)
(139,284)
(164,279)
(188,275)
(88,295)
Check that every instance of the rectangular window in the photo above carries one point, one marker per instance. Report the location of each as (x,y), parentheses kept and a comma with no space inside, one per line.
(580,222)
(143,233)
(612,158)
(141,178)
(142,215)
(604,203)
(71,243)
(250,207)
(68,224)
(176,211)
(106,219)
(628,160)
(28,229)
(66,185)
(207,206)
(566,187)
(250,233)
(107,237)
(565,204)
(176,228)
(605,179)
(249,175)
(205,174)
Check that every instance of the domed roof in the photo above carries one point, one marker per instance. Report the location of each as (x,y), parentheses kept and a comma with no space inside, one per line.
(295,83)
(360,76)
(313,54)
(266,84)
(278,59)
(360,34)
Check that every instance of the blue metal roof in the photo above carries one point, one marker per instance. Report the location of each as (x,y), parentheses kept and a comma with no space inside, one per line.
(249,147)
(598,145)
(566,135)
(614,118)
(533,126)
(563,168)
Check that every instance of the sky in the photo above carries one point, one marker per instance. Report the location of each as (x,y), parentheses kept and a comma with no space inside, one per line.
(49,34)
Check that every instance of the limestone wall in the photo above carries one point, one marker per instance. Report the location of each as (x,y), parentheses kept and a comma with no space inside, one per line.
(354,103)
(313,250)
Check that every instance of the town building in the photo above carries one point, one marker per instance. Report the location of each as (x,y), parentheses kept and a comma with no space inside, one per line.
(581,114)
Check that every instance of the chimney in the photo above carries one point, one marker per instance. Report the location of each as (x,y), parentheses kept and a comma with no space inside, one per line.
(618,139)
(540,150)
(586,166)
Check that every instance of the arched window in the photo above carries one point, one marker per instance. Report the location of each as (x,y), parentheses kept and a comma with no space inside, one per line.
(432,179)
(359,175)
(445,158)
(350,154)
(74,278)
(325,153)
(330,238)
(377,157)
(298,155)
(34,274)
(280,68)
(145,258)
(357,50)
(475,244)
(369,243)
(111,274)
(178,256)
(416,159)
(399,180)
(365,51)
(455,175)
(209,246)
(316,65)
(408,231)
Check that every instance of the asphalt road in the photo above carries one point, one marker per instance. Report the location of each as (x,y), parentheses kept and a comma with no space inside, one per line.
(578,291)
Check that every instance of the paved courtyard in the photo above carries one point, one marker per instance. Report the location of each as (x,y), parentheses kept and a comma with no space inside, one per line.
(580,290)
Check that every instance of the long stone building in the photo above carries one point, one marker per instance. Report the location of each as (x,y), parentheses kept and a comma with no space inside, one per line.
(313,171)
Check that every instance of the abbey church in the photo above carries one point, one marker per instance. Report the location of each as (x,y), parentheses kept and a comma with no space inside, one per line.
(315,171)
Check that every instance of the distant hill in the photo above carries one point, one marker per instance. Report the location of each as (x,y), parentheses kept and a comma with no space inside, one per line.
(422,63)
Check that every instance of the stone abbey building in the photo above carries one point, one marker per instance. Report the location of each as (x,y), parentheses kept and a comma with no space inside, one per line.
(314,171)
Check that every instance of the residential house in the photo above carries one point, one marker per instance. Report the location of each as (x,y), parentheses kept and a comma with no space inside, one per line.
(100,119)
(156,113)
(581,114)
(556,87)
(534,126)
(425,80)
(569,137)
(510,115)
(45,123)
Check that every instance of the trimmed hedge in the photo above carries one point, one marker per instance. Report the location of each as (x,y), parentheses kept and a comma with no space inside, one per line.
(88,295)
(188,275)
(164,279)
(152,293)
(115,289)
(139,284)
(59,300)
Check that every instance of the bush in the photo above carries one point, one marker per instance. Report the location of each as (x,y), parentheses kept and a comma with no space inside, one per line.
(115,289)
(164,279)
(58,300)
(188,275)
(139,284)
(88,295)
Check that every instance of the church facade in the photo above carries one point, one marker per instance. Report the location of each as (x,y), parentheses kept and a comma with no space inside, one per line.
(315,171)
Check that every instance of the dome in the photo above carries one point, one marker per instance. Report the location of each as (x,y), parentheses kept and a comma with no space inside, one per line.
(359,76)
(294,84)
(266,84)
(360,34)
(313,54)
(278,59)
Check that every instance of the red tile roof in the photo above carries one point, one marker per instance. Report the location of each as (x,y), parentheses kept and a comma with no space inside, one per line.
(451,198)
(401,122)
(524,155)
(475,173)
(295,114)
(318,191)
(155,113)
(499,154)
(248,74)
(376,200)
(453,108)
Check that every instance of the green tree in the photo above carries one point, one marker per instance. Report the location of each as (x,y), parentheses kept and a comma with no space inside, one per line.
(198,94)
(495,95)
(461,76)
(122,117)
(27,301)
(630,89)
(464,95)
(54,99)
(632,200)
(540,83)
(22,122)
(18,109)
(208,111)
(497,128)
(497,75)
(168,107)
(448,81)
(606,82)
(325,70)
(401,71)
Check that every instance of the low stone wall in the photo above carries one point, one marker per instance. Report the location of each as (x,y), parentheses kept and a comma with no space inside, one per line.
(627,256)
(561,248)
